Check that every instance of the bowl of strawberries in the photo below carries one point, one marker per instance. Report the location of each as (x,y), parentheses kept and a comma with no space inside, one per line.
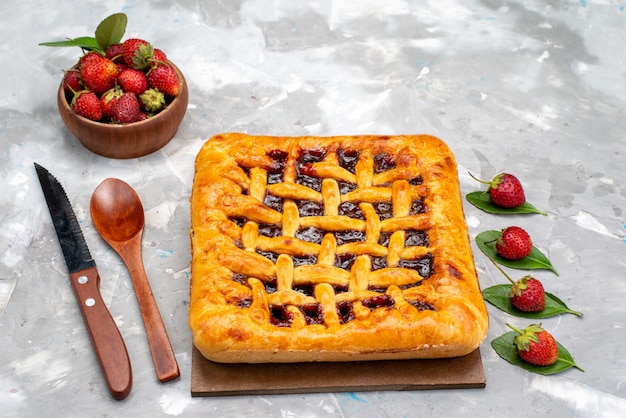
(122,99)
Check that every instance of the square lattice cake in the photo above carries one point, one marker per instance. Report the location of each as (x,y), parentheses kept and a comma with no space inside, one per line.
(330,249)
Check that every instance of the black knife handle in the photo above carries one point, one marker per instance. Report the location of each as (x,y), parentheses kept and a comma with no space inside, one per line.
(105,335)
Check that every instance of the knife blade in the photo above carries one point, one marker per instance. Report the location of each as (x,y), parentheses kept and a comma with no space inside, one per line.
(105,335)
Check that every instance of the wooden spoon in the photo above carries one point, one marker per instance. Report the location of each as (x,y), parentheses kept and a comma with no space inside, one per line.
(118,216)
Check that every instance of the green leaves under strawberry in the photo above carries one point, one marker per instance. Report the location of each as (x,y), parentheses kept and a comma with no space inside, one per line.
(504,195)
(535,260)
(506,347)
(525,298)
(498,296)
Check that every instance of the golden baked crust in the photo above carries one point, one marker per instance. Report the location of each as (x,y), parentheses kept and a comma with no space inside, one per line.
(330,249)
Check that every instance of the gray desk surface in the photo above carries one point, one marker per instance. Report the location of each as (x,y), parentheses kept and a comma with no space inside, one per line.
(533,87)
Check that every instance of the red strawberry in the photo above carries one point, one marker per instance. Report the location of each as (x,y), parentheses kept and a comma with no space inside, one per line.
(133,81)
(514,243)
(536,345)
(165,79)
(115,53)
(99,75)
(159,56)
(86,104)
(121,66)
(126,109)
(527,294)
(88,58)
(108,100)
(72,81)
(505,190)
(137,53)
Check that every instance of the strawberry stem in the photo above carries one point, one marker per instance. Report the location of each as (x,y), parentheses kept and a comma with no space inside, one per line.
(519,331)
(477,179)
(502,271)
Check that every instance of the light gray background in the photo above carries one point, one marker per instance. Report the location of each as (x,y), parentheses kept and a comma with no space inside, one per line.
(535,88)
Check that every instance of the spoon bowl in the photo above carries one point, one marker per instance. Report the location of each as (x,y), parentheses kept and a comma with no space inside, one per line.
(117,211)
(118,216)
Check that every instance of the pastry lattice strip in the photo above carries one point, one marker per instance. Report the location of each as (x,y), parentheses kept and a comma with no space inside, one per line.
(391,187)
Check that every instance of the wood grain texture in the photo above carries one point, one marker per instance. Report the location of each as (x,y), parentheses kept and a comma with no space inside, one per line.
(104,333)
(118,216)
(218,379)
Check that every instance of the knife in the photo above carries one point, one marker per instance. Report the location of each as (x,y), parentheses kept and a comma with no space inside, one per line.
(105,336)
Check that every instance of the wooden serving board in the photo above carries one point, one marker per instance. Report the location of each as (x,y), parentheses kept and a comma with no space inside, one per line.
(216,379)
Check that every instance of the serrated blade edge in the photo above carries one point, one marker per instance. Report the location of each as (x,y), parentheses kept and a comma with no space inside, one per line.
(73,244)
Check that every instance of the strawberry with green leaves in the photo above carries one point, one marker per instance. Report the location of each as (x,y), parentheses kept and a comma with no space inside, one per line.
(117,71)
(536,345)
(514,243)
(126,109)
(115,53)
(88,58)
(505,190)
(86,104)
(132,80)
(527,294)
(108,100)
(165,79)
(99,75)
(72,81)
(138,53)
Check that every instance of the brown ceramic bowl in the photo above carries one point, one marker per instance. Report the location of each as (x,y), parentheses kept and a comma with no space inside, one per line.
(130,140)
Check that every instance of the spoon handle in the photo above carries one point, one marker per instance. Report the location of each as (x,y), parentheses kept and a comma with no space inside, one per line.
(162,353)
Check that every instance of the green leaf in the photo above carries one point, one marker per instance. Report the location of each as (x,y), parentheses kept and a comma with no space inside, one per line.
(498,296)
(482,201)
(505,347)
(536,260)
(84,42)
(111,30)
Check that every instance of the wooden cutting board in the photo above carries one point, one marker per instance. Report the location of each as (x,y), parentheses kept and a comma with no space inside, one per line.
(215,379)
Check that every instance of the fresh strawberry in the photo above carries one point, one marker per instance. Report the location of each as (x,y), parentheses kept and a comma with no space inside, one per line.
(88,58)
(514,243)
(158,58)
(108,100)
(121,66)
(115,53)
(527,294)
(99,75)
(133,81)
(126,109)
(165,79)
(137,53)
(536,345)
(72,81)
(152,100)
(86,104)
(505,190)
